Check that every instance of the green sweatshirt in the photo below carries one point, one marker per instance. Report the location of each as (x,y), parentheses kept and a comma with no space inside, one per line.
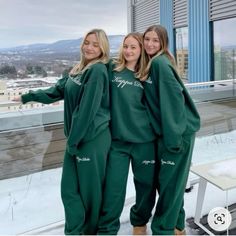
(86,103)
(171,109)
(129,117)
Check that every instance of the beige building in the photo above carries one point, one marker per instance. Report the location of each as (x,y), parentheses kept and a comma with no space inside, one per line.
(182,62)
(13,88)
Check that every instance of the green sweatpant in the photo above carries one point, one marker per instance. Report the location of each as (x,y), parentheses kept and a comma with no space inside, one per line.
(172,175)
(82,185)
(142,157)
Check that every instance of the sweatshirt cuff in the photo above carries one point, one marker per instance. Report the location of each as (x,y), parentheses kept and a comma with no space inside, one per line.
(72,149)
(26,98)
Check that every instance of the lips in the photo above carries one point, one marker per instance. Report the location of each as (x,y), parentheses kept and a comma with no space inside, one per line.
(88,53)
(128,58)
(150,50)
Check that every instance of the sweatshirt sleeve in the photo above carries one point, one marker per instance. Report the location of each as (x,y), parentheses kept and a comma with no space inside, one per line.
(172,106)
(89,105)
(46,96)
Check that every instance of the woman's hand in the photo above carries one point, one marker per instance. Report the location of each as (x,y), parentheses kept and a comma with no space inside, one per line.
(17,99)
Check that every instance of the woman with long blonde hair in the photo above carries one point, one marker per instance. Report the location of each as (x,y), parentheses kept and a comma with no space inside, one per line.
(86,117)
(132,141)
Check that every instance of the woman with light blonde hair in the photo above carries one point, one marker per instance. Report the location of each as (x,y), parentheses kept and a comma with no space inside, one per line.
(104,47)
(86,117)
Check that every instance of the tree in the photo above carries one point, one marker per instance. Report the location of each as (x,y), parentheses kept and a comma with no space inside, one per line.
(35,70)
(29,69)
(66,72)
(8,70)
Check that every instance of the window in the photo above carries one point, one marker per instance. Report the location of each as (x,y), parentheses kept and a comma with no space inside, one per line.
(224,49)
(181,37)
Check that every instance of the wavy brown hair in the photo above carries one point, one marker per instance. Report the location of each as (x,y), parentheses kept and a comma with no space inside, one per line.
(164,44)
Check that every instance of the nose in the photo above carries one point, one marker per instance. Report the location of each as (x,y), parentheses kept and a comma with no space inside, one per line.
(89,46)
(128,50)
(149,43)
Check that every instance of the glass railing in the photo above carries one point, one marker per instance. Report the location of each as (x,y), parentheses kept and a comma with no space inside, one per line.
(26,118)
(210,91)
(32,144)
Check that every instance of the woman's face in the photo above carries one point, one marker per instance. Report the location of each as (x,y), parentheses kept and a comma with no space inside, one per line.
(91,49)
(152,43)
(131,50)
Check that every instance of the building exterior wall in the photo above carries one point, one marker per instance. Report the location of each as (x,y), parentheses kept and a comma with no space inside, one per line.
(198,16)
(166,19)
(142,13)
(199,41)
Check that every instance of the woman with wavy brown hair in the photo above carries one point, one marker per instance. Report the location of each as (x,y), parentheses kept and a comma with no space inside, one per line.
(175,120)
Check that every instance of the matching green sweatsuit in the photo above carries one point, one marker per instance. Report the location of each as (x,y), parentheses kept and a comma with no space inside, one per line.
(175,120)
(86,126)
(132,141)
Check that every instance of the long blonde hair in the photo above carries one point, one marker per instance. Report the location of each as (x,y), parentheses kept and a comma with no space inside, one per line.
(142,61)
(103,45)
(164,44)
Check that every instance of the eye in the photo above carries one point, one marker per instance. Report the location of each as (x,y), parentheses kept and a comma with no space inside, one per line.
(86,42)
(132,47)
(125,46)
(96,45)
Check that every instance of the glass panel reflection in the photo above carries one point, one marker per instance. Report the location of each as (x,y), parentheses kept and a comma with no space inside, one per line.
(182,52)
(224,49)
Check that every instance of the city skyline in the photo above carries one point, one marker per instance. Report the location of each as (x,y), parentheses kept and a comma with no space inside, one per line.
(28,22)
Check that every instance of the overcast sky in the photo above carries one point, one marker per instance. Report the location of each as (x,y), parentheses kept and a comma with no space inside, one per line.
(25,22)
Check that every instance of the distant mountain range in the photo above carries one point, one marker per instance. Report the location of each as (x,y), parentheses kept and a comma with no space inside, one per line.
(60,47)
(55,56)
